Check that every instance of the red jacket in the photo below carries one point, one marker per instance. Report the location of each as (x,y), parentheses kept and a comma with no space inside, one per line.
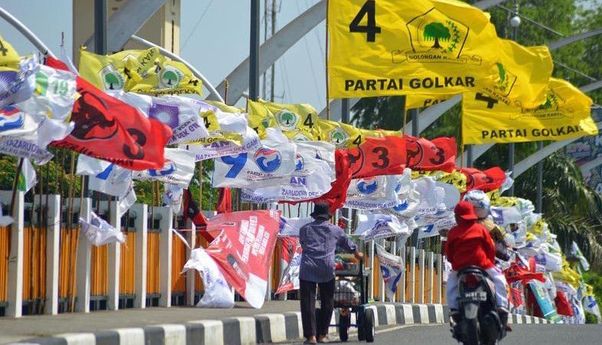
(469,244)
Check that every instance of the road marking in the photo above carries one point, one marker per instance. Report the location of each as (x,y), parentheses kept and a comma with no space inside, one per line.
(404,326)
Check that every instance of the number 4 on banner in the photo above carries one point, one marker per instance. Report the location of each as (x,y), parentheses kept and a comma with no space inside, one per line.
(370,29)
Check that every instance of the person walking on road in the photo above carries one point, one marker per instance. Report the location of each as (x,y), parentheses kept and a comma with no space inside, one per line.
(319,239)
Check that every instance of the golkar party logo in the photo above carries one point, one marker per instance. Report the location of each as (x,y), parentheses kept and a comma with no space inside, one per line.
(268,160)
(111,78)
(287,119)
(435,38)
(170,77)
(338,136)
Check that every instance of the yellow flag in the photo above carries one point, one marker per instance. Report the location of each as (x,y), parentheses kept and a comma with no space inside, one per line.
(523,74)
(414,101)
(142,71)
(565,114)
(299,120)
(392,47)
(9,58)
(339,134)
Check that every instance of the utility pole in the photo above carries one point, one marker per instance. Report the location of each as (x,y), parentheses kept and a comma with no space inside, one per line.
(254,52)
(269,29)
(514,24)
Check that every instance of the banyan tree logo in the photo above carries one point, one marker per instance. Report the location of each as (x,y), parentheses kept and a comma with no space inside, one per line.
(169,77)
(287,119)
(435,37)
(338,136)
(506,80)
(111,78)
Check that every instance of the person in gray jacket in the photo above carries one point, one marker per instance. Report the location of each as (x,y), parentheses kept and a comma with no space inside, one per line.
(319,240)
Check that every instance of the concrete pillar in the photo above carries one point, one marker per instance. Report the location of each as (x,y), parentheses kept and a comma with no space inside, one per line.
(421,278)
(83,264)
(114,259)
(191,274)
(430,263)
(402,287)
(371,265)
(439,277)
(412,274)
(15,261)
(140,213)
(52,255)
(165,253)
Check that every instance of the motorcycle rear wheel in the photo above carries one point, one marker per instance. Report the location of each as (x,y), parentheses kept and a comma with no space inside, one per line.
(470,330)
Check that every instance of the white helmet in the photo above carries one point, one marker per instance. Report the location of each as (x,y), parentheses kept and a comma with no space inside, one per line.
(480,201)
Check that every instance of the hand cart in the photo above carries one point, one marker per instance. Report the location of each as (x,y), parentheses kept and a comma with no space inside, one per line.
(351,297)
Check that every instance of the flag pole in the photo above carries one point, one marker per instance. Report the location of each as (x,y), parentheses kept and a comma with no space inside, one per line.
(15,181)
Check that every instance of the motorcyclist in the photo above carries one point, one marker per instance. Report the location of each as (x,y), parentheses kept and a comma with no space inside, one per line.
(470,244)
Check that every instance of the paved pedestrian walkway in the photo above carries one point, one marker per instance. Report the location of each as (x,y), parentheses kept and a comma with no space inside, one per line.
(12,330)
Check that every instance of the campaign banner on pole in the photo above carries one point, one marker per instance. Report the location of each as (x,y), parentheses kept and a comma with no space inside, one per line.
(437,154)
(229,135)
(373,192)
(314,172)
(178,169)
(243,250)
(290,262)
(276,158)
(375,226)
(300,119)
(378,156)
(546,305)
(391,268)
(391,47)
(217,293)
(565,114)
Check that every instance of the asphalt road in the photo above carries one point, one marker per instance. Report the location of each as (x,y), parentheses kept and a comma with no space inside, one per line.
(521,335)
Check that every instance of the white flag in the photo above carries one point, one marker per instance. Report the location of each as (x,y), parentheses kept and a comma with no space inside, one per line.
(172,196)
(17,86)
(373,193)
(178,169)
(230,124)
(217,291)
(375,226)
(275,159)
(576,251)
(99,232)
(312,177)
(391,268)
(27,176)
(289,227)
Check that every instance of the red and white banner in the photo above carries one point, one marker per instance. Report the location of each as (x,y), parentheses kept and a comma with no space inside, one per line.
(437,154)
(290,261)
(378,156)
(243,250)
(485,180)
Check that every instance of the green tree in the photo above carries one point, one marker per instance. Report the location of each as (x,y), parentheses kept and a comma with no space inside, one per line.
(170,78)
(436,31)
(112,80)
(287,117)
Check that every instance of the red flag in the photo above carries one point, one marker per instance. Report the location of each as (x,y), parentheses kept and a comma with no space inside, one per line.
(563,306)
(192,212)
(515,297)
(244,250)
(378,156)
(516,272)
(427,155)
(109,129)
(56,63)
(337,194)
(290,260)
(486,180)
(224,203)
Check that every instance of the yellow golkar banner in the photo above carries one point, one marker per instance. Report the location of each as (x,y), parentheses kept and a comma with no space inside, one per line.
(392,47)
(565,114)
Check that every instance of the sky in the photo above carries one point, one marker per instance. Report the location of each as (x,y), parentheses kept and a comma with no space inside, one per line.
(214,37)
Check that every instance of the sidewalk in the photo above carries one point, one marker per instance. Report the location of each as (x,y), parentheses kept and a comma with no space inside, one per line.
(276,322)
(13,330)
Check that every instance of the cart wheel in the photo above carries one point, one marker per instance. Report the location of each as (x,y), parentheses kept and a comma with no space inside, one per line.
(369,325)
(344,322)
(360,320)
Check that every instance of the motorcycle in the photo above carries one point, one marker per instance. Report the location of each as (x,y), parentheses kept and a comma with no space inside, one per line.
(478,321)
